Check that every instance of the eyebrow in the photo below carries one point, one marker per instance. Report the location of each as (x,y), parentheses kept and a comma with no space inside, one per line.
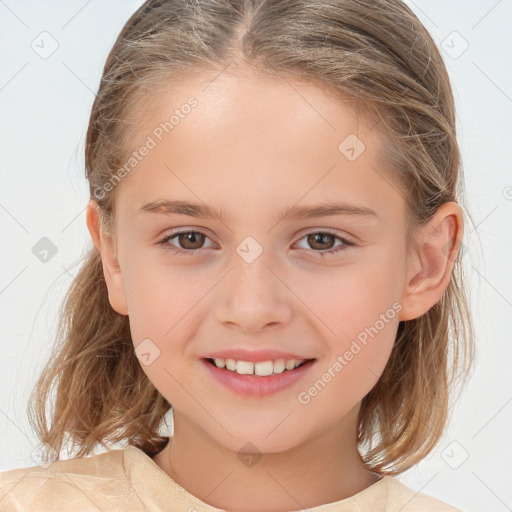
(326,209)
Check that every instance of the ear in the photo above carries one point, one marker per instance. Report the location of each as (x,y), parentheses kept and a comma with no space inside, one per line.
(430,262)
(111,268)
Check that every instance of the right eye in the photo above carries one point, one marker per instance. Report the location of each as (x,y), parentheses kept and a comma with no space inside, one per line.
(193,239)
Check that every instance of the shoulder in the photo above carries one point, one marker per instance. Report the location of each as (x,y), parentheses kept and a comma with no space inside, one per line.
(89,483)
(402,497)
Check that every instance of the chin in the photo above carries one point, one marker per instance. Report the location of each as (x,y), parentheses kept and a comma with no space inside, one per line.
(256,441)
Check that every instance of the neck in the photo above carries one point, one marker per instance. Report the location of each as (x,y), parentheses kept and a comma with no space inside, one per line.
(324,469)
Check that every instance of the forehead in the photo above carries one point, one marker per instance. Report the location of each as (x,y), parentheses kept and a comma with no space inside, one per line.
(249,138)
(248,99)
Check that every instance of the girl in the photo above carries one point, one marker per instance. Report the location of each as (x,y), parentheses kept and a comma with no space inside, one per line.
(276,261)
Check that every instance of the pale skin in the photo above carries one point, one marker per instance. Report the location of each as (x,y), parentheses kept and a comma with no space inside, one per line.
(252,159)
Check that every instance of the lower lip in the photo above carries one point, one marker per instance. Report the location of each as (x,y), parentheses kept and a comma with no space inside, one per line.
(253,385)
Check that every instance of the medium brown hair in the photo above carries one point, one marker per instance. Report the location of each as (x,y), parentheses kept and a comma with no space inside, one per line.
(376,54)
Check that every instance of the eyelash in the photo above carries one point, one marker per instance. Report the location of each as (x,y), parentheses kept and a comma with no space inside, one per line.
(187,252)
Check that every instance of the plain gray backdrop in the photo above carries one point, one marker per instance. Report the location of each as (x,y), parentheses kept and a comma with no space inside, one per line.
(52,55)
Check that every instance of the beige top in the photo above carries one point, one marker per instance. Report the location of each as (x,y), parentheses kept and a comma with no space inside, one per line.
(128,480)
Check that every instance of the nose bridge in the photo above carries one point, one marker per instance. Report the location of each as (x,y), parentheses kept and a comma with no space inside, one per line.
(251,272)
(253,296)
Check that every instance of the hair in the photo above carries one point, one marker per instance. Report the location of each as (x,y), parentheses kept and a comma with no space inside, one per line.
(377,55)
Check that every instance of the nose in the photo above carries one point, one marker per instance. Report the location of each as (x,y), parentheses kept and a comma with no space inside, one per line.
(253,296)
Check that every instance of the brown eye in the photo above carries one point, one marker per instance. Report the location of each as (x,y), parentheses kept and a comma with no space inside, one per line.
(185,242)
(321,240)
(190,240)
(322,243)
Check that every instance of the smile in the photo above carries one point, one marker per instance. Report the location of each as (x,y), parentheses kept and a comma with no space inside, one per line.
(262,369)
(257,379)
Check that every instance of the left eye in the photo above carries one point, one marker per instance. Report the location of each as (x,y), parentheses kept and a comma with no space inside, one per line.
(194,240)
(319,237)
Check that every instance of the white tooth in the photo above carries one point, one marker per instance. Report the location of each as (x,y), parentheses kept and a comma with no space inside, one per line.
(245,367)
(230,364)
(279,366)
(264,368)
(290,365)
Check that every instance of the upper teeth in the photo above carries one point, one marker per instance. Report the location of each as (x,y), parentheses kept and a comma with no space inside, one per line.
(262,369)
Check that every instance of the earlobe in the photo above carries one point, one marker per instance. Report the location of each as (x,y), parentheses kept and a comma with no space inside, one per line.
(111,269)
(431,263)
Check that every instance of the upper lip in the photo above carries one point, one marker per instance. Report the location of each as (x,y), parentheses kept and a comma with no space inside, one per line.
(254,356)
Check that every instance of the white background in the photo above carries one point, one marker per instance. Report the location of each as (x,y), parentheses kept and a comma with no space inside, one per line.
(45,105)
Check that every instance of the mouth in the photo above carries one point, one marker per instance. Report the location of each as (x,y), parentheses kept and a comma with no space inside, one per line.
(243,379)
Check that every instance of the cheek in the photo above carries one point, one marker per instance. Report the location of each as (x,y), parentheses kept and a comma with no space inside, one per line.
(349,299)
(356,355)
(358,311)
(163,309)
(160,320)
(158,297)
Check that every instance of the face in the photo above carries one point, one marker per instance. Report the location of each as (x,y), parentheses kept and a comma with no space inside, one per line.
(323,287)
